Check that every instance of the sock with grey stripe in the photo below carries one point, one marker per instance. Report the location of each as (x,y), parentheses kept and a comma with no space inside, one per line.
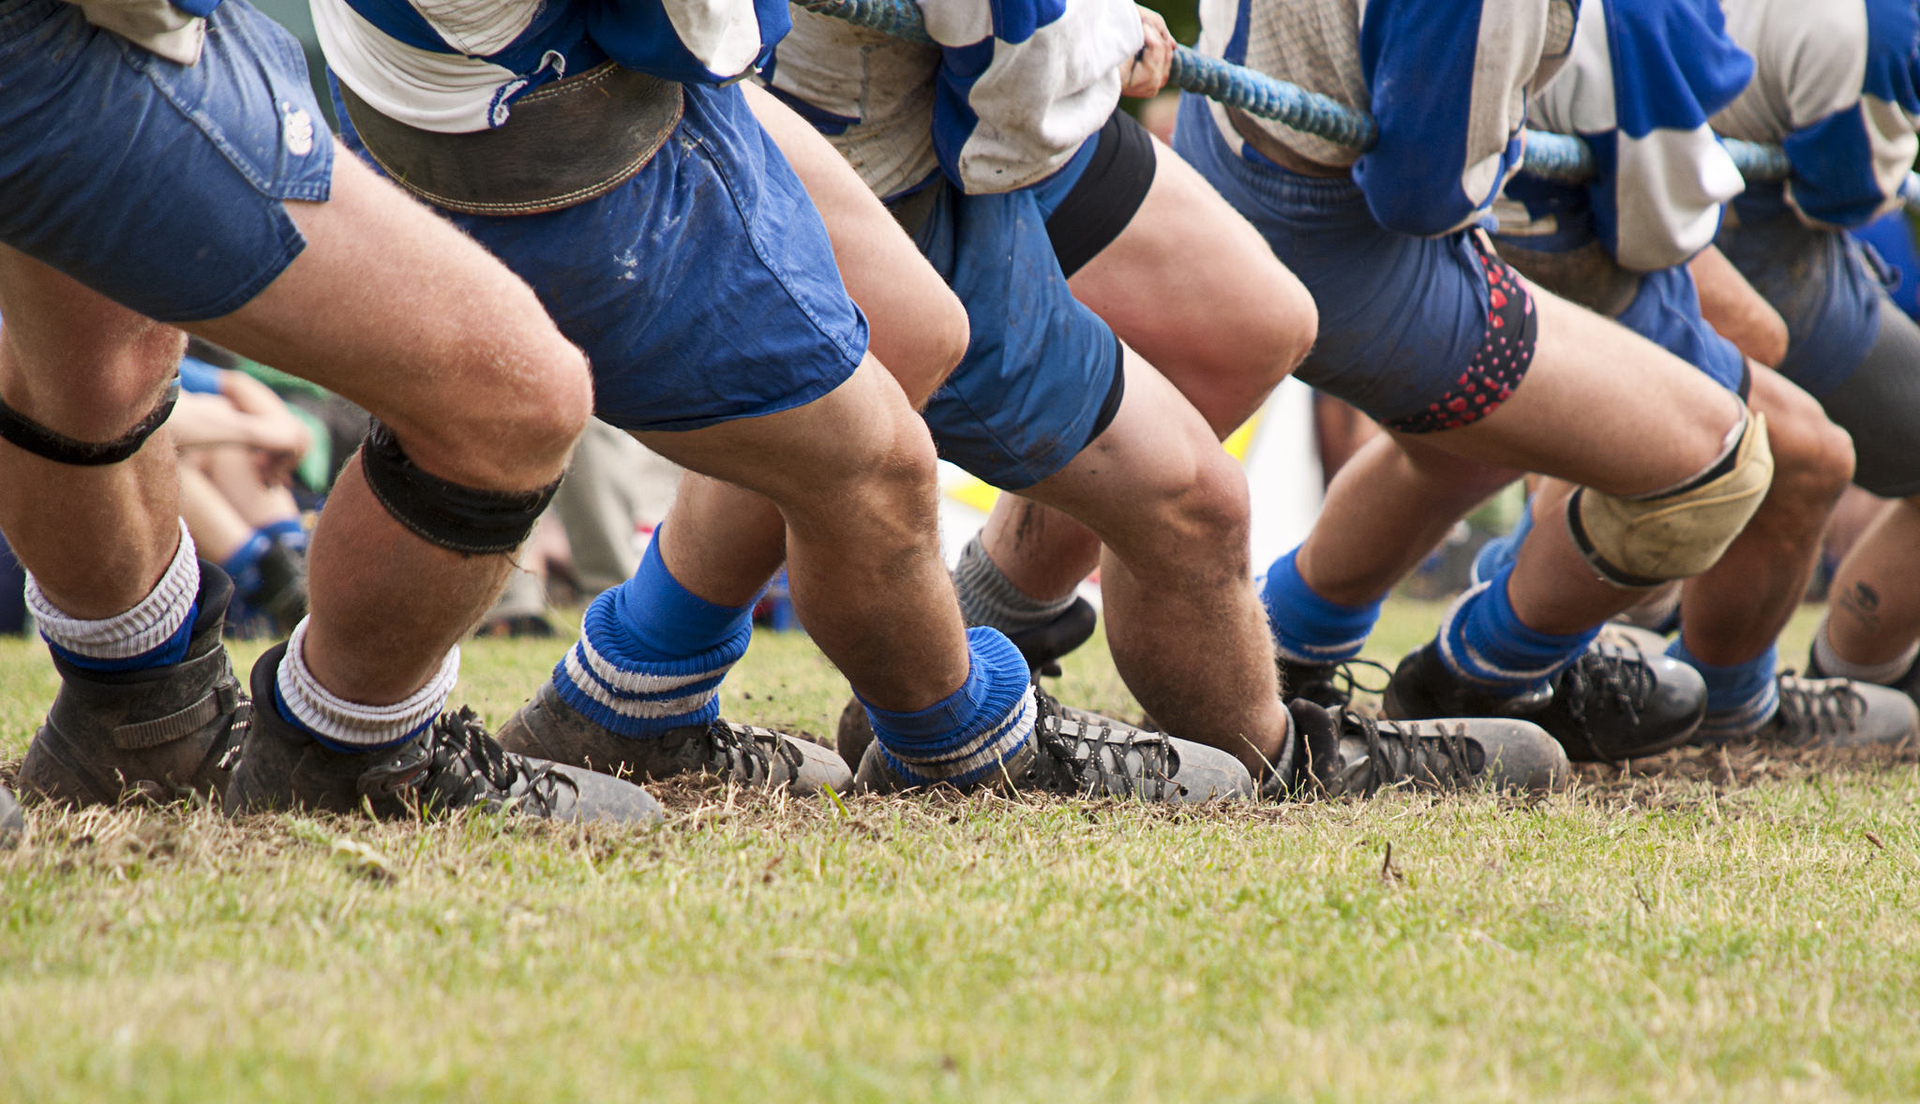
(652,654)
(988,597)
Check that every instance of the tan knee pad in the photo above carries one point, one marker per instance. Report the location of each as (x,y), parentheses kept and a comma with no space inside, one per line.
(1674,534)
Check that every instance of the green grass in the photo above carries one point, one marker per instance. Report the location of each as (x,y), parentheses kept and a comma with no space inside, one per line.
(1648,937)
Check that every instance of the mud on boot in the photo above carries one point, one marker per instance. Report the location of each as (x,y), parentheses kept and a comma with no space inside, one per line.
(454,765)
(1076,753)
(759,758)
(1614,702)
(1043,645)
(161,734)
(1834,713)
(1339,753)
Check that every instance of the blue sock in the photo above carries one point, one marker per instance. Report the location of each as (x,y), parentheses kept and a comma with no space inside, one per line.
(966,736)
(1501,552)
(172,651)
(243,567)
(1306,627)
(1740,698)
(288,532)
(1483,641)
(652,654)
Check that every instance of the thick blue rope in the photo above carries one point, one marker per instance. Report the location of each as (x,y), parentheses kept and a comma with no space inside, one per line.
(1559,157)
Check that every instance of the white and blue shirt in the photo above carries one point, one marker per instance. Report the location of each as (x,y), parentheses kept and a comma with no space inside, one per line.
(456,66)
(1835,83)
(1446,80)
(1642,81)
(1004,101)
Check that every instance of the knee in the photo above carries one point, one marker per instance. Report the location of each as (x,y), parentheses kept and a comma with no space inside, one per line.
(98,387)
(921,361)
(1206,522)
(511,427)
(1813,458)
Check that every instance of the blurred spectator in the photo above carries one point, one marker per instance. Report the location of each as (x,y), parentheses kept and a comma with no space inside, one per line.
(239,446)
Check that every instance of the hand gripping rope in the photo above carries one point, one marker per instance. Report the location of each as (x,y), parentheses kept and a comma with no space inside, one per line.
(1558,157)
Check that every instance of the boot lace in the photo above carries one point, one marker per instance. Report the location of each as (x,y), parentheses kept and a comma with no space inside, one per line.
(746,754)
(1330,685)
(1606,676)
(1814,709)
(1399,754)
(467,767)
(1087,755)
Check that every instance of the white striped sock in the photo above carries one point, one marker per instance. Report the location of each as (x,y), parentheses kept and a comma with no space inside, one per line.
(150,623)
(322,711)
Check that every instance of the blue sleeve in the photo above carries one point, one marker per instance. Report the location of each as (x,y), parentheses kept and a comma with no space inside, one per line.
(710,41)
(1022,83)
(1443,152)
(1663,175)
(1848,166)
(199,377)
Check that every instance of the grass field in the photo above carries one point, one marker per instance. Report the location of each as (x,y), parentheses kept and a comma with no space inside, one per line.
(1703,928)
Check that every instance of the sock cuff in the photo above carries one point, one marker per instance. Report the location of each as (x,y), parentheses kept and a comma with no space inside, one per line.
(335,720)
(966,735)
(661,620)
(1308,628)
(1483,640)
(988,597)
(153,622)
(1833,665)
(1740,696)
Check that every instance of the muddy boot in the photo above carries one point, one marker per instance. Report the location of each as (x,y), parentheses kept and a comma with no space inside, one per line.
(159,733)
(1835,713)
(1615,702)
(1343,753)
(1081,754)
(1043,645)
(454,765)
(758,758)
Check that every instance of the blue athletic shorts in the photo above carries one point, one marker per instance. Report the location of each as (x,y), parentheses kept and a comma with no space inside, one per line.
(1421,333)
(703,290)
(1819,280)
(1042,375)
(1666,311)
(157,185)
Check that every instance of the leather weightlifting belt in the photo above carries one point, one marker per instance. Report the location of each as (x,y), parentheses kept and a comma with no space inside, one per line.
(565,143)
(1588,275)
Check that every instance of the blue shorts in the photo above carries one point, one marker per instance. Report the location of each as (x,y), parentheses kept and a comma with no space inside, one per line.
(1421,333)
(1042,374)
(158,185)
(703,290)
(1666,311)
(1819,281)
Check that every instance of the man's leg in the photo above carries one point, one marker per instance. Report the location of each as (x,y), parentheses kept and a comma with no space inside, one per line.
(1192,288)
(1186,631)
(1872,628)
(1732,613)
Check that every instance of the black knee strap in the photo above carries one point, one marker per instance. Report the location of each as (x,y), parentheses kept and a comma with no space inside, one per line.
(23,432)
(464,519)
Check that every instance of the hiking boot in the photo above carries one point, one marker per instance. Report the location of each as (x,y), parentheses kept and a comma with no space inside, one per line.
(1087,755)
(1327,685)
(159,734)
(1908,684)
(754,757)
(1043,645)
(1835,713)
(13,825)
(1615,702)
(454,765)
(1345,753)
